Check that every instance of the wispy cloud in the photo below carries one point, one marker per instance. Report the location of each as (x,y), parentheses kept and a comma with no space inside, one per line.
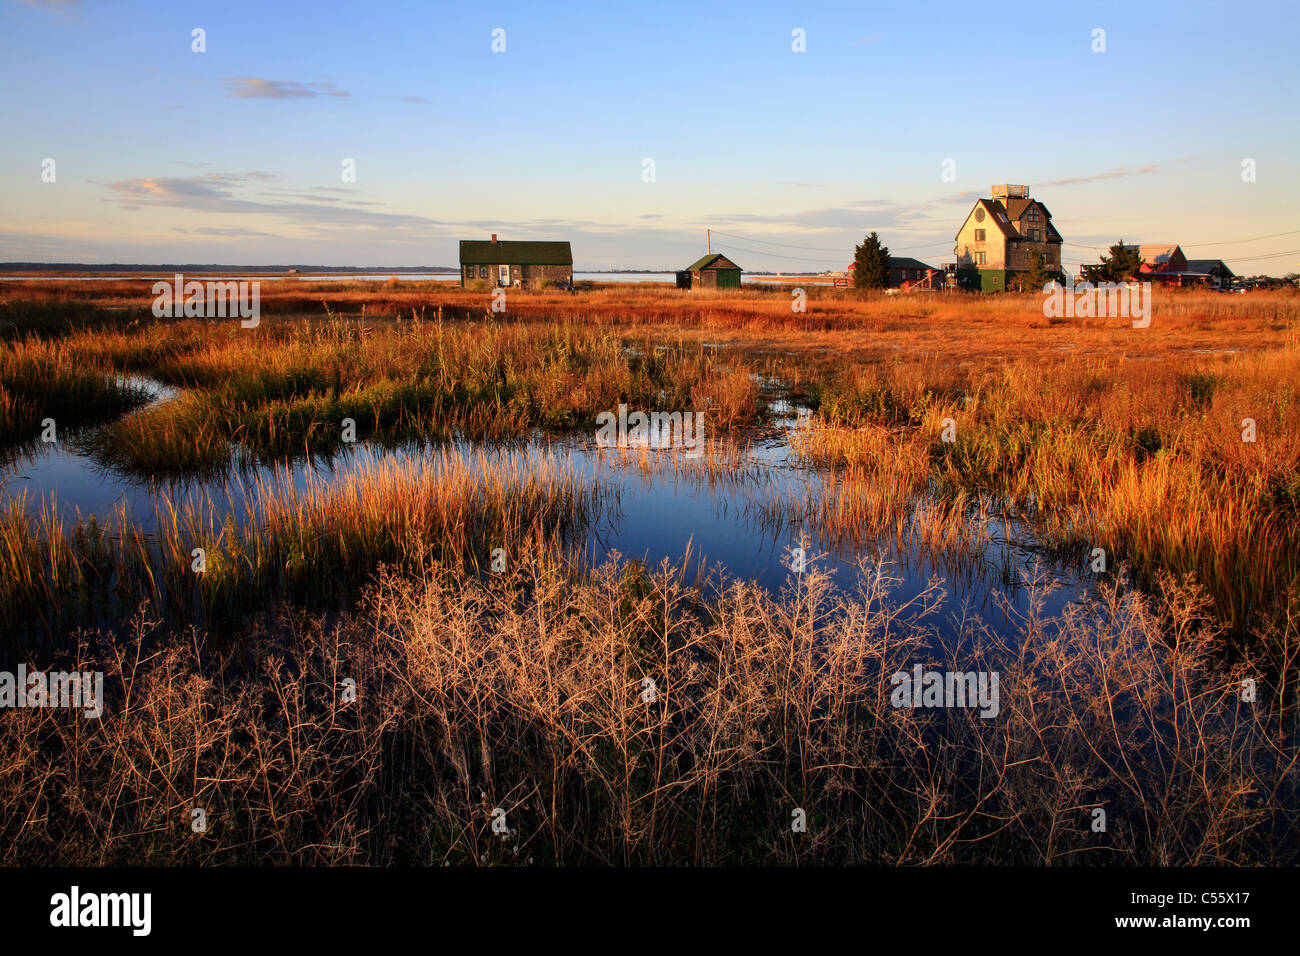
(254,87)
(237,194)
(226,232)
(970,195)
(1117,173)
(327,212)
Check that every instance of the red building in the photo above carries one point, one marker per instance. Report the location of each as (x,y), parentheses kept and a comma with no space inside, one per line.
(1166,265)
(1163,259)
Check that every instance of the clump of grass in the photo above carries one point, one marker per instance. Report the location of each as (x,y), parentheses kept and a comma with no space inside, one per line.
(172,439)
(880,485)
(1200,388)
(40,380)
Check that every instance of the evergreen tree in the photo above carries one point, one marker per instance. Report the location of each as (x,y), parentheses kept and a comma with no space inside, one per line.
(1036,276)
(871,264)
(1123,263)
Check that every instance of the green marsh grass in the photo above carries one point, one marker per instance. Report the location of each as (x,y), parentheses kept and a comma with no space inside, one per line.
(40,380)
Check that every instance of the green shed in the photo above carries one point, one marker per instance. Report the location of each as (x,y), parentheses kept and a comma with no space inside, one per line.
(713,271)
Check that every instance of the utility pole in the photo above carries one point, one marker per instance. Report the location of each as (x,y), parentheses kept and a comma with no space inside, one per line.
(708,238)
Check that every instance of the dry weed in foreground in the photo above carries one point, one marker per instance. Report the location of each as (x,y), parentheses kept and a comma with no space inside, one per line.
(630,719)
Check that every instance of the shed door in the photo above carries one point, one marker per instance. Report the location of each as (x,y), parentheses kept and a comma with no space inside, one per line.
(504,274)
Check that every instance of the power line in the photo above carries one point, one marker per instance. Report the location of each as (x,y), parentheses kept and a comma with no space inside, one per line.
(1274,255)
(777,255)
(932,245)
(1197,245)
(1235,242)
(1268,255)
(767,242)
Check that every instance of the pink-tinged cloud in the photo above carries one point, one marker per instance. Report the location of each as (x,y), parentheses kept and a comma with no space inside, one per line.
(257,88)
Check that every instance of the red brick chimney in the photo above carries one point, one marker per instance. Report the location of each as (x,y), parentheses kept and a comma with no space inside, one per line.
(494,237)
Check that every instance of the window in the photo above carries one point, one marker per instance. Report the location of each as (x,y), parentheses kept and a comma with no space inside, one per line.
(1033,215)
(482,272)
(979,214)
(469,272)
(979,235)
(1036,235)
(981,258)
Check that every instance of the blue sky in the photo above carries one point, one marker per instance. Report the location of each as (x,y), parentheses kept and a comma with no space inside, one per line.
(236,154)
